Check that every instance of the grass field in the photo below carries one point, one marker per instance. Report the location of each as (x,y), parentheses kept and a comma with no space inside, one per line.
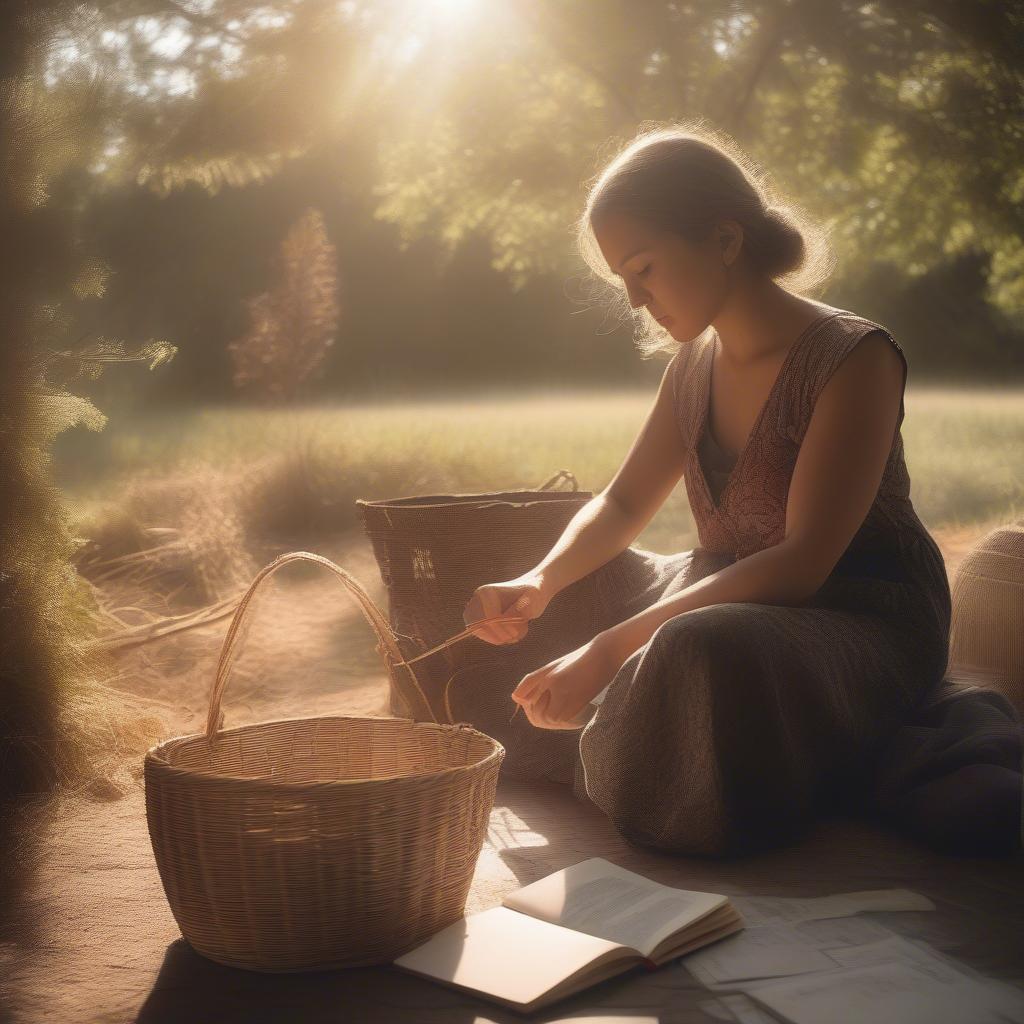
(964,451)
(178,513)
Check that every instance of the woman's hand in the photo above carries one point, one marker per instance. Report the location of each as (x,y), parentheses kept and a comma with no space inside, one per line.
(523,598)
(554,694)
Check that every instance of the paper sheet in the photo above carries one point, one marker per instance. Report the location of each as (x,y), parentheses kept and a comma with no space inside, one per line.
(897,992)
(717,1009)
(757,910)
(892,949)
(850,969)
(763,952)
(737,1007)
(778,950)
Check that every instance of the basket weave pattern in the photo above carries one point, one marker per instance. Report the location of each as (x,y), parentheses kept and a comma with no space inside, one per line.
(318,843)
(987,631)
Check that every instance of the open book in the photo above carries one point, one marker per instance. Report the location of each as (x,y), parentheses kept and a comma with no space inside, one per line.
(569,931)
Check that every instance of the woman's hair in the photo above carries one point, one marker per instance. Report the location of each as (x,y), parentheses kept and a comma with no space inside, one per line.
(684,178)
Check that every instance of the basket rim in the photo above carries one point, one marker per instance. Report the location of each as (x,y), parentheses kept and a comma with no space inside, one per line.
(495,497)
(155,755)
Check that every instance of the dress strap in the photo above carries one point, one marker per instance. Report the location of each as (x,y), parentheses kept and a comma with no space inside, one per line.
(835,340)
(685,401)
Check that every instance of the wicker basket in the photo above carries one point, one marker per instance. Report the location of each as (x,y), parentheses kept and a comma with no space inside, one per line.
(317,843)
(987,629)
(434,550)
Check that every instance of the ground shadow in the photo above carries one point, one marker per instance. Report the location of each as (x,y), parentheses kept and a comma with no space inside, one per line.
(190,987)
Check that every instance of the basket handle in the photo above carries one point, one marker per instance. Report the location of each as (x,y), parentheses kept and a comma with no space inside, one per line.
(561,474)
(388,645)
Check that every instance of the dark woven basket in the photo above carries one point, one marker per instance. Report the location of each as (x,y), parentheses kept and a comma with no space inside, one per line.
(433,551)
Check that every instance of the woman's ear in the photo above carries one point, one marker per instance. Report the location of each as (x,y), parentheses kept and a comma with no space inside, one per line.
(730,240)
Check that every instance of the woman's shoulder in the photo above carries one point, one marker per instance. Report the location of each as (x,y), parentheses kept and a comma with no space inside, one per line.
(846,328)
(832,338)
(837,336)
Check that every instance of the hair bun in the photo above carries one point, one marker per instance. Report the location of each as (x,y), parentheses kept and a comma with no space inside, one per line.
(783,243)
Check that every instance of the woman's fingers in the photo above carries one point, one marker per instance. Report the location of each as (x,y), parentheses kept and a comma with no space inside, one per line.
(508,631)
(527,688)
(517,629)
(521,625)
(531,711)
(497,631)
(540,713)
(489,607)
(499,613)
(473,612)
(554,708)
(543,706)
(536,705)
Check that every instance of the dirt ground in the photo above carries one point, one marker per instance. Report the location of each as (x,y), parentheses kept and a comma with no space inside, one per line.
(97,941)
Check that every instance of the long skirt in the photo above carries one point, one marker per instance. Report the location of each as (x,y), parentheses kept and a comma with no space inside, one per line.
(737,724)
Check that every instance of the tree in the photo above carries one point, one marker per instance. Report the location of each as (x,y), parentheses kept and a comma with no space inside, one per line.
(44,263)
(898,123)
(292,326)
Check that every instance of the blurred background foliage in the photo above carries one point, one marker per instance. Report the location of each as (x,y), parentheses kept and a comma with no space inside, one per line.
(447,146)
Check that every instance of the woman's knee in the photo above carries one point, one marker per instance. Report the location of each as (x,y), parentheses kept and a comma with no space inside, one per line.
(692,648)
(703,629)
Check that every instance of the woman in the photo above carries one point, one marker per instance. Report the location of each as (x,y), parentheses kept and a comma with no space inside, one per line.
(761,683)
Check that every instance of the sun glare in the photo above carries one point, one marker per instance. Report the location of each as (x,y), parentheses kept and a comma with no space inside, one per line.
(426,23)
(450,8)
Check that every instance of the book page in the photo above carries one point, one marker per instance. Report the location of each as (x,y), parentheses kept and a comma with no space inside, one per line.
(694,938)
(508,955)
(613,903)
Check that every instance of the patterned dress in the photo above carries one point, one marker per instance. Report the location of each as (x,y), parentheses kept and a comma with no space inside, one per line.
(736,723)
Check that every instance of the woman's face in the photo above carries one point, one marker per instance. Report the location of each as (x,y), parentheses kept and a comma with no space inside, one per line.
(679,283)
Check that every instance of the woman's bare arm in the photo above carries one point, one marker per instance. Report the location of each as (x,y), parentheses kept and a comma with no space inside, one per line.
(834,483)
(612,519)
